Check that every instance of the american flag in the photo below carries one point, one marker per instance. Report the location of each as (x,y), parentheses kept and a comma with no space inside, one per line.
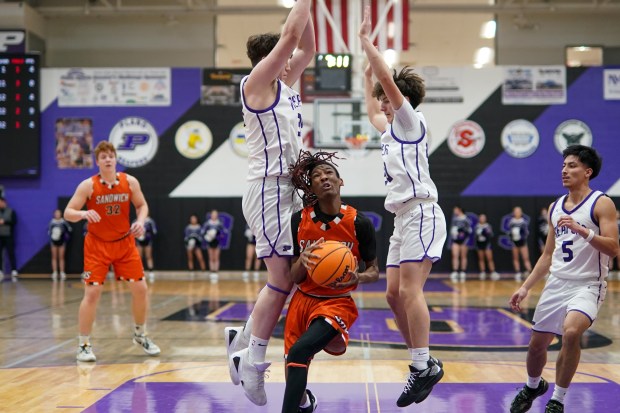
(346,16)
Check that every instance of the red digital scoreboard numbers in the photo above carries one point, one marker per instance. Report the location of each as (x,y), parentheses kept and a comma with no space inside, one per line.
(20,138)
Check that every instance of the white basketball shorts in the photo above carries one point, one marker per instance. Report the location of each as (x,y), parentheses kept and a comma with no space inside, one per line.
(419,233)
(267,208)
(561,296)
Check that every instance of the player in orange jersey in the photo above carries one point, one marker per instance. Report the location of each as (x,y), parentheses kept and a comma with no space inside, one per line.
(319,318)
(110,241)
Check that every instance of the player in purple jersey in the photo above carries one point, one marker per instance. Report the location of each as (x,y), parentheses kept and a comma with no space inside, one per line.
(273,121)
(251,260)
(583,237)
(212,229)
(542,224)
(519,232)
(193,239)
(460,230)
(484,235)
(419,223)
(59,232)
(144,243)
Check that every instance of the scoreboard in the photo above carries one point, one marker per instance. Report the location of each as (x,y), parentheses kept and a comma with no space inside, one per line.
(332,72)
(19,115)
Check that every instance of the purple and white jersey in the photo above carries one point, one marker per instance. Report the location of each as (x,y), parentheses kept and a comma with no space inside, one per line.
(574,258)
(273,135)
(404,149)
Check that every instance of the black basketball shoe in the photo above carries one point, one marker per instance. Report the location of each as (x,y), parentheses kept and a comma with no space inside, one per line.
(420,383)
(554,406)
(313,404)
(524,399)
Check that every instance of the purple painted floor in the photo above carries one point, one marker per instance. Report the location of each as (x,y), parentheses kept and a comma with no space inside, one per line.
(345,398)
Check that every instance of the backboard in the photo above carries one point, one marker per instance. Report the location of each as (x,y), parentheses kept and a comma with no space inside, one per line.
(337,121)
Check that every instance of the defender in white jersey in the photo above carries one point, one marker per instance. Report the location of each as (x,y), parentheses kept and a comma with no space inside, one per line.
(273,122)
(582,239)
(419,225)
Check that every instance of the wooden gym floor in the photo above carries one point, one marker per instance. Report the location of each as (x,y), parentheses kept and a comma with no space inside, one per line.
(481,343)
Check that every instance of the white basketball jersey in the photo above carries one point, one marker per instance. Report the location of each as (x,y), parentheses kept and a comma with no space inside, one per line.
(273,135)
(573,257)
(404,149)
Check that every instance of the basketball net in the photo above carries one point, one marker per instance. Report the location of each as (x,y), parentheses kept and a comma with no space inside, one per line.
(356,145)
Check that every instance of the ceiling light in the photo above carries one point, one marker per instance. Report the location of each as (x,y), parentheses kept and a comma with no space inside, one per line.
(287,3)
(483,56)
(391,57)
(487,31)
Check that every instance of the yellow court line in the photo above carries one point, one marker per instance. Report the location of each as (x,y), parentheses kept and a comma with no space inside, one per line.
(521,321)
(212,316)
(514,317)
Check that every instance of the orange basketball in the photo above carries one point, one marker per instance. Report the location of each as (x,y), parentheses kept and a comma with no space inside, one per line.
(334,265)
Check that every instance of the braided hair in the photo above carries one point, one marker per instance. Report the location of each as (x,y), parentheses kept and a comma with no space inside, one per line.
(301,171)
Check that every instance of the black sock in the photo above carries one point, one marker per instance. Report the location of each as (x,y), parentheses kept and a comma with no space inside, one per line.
(318,335)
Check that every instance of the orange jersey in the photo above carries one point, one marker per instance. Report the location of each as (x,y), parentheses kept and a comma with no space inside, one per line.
(112,202)
(340,312)
(341,229)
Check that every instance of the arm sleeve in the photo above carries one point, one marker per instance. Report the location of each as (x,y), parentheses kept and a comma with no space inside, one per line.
(295,220)
(366,237)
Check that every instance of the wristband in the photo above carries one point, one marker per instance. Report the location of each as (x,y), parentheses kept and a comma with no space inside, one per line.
(590,236)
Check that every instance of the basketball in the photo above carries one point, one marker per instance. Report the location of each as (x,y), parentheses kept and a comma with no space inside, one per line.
(334,265)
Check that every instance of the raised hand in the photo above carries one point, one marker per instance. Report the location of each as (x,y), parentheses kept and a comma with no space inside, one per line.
(365,27)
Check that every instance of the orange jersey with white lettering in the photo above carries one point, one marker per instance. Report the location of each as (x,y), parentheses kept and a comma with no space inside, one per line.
(341,229)
(112,201)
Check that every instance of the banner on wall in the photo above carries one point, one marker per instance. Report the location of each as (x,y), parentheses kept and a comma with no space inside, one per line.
(611,82)
(114,87)
(222,86)
(534,85)
(74,143)
(442,85)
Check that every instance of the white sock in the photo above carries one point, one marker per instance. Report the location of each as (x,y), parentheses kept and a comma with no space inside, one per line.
(533,382)
(257,350)
(139,329)
(83,340)
(420,358)
(247,329)
(559,393)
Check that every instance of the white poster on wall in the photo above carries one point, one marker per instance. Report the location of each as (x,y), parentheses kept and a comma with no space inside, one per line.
(611,84)
(443,85)
(534,85)
(114,87)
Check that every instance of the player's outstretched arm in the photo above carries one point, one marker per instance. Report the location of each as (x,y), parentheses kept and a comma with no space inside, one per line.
(373,108)
(265,72)
(303,54)
(380,69)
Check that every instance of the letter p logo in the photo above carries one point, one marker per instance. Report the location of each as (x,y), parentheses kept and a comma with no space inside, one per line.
(12,38)
(131,140)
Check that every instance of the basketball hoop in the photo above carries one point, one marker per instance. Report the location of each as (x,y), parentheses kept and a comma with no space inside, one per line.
(356,144)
